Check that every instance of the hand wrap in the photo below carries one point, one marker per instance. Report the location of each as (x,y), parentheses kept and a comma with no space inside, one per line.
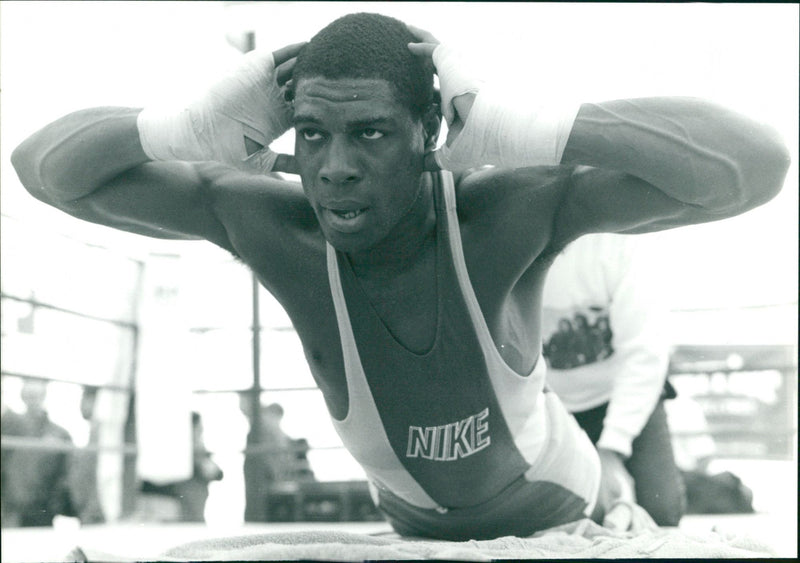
(454,79)
(246,103)
(511,133)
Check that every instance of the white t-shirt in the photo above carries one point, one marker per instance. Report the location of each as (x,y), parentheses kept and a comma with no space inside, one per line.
(604,332)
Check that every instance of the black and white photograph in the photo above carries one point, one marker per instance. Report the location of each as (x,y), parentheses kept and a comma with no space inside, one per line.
(363,281)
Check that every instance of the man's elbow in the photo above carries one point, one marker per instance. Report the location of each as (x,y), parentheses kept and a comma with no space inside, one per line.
(19,161)
(753,179)
(28,163)
(769,167)
(22,161)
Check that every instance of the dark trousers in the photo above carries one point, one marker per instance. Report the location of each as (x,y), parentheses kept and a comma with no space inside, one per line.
(659,485)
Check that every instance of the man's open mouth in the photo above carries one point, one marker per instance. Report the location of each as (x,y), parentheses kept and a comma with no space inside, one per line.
(348,213)
(346,220)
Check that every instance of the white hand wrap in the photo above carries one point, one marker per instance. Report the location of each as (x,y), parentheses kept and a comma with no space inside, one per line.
(246,103)
(511,133)
(454,80)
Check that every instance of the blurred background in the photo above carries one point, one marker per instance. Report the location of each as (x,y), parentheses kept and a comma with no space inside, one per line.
(143,332)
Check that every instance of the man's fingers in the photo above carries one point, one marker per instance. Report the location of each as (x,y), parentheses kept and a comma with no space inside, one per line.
(422,49)
(427,42)
(289,52)
(422,35)
(627,516)
(641,520)
(283,73)
(620,517)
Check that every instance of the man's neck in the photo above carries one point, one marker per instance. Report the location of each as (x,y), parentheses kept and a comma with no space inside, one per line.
(405,244)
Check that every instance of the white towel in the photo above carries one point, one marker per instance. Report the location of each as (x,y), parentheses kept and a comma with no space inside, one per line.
(578,540)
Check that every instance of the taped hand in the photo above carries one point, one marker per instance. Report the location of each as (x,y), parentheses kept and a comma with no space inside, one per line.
(233,122)
(457,85)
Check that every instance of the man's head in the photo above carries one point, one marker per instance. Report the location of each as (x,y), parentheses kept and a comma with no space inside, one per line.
(364,117)
(272,415)
(33,394)
(365,45)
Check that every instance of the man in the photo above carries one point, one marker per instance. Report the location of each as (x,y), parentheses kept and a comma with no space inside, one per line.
(271,463)
(416,294)
(193,492)
(34,480)
(615,390)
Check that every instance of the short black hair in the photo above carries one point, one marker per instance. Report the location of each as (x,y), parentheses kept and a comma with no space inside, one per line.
(365,45)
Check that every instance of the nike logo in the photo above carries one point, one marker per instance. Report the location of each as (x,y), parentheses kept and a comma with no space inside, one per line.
(451,441)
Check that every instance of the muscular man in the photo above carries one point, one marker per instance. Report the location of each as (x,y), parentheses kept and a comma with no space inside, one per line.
(416,293)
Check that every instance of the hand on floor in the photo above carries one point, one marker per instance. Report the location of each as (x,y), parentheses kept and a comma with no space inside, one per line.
(626,516)
(618,496)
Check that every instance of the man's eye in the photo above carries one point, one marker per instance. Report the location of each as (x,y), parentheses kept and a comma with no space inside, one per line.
(311,135)
(371,134)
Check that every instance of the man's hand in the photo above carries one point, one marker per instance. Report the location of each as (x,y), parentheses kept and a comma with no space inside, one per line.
(458,89)
(233,122)
(618,496)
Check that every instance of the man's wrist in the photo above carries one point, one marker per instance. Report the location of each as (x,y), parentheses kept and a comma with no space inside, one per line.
(454,79)
(510,133)
(616,440)
(168,135)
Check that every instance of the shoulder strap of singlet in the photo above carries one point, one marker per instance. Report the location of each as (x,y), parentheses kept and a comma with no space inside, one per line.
(482,329)
(519,396)
(362,412)
(354,372)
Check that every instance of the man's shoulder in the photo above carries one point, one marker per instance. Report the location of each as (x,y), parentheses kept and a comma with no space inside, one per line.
(509,180)
(483,189)
(259,211)
(51,429)
(11,423)
(230,188)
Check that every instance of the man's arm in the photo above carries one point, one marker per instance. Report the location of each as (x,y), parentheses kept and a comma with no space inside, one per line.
(638,318)
(90,164)
(646,164)
(637,315)
(130,169)
(658,163)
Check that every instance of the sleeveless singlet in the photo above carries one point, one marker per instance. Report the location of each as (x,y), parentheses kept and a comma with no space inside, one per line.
(455,426)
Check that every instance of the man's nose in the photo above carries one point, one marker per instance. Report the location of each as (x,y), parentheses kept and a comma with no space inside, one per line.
(339,166)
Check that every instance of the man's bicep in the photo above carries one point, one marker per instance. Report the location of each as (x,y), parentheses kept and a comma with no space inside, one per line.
(599,201)
(163,200)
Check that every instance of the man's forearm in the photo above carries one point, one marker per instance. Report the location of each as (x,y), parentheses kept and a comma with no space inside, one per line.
(692,150)
(77,154)
(633,399)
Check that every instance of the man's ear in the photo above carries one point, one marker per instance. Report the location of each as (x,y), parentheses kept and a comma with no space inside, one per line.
(432,123)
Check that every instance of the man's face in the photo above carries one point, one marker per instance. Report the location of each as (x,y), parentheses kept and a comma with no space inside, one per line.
(360,154)
(33,394)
